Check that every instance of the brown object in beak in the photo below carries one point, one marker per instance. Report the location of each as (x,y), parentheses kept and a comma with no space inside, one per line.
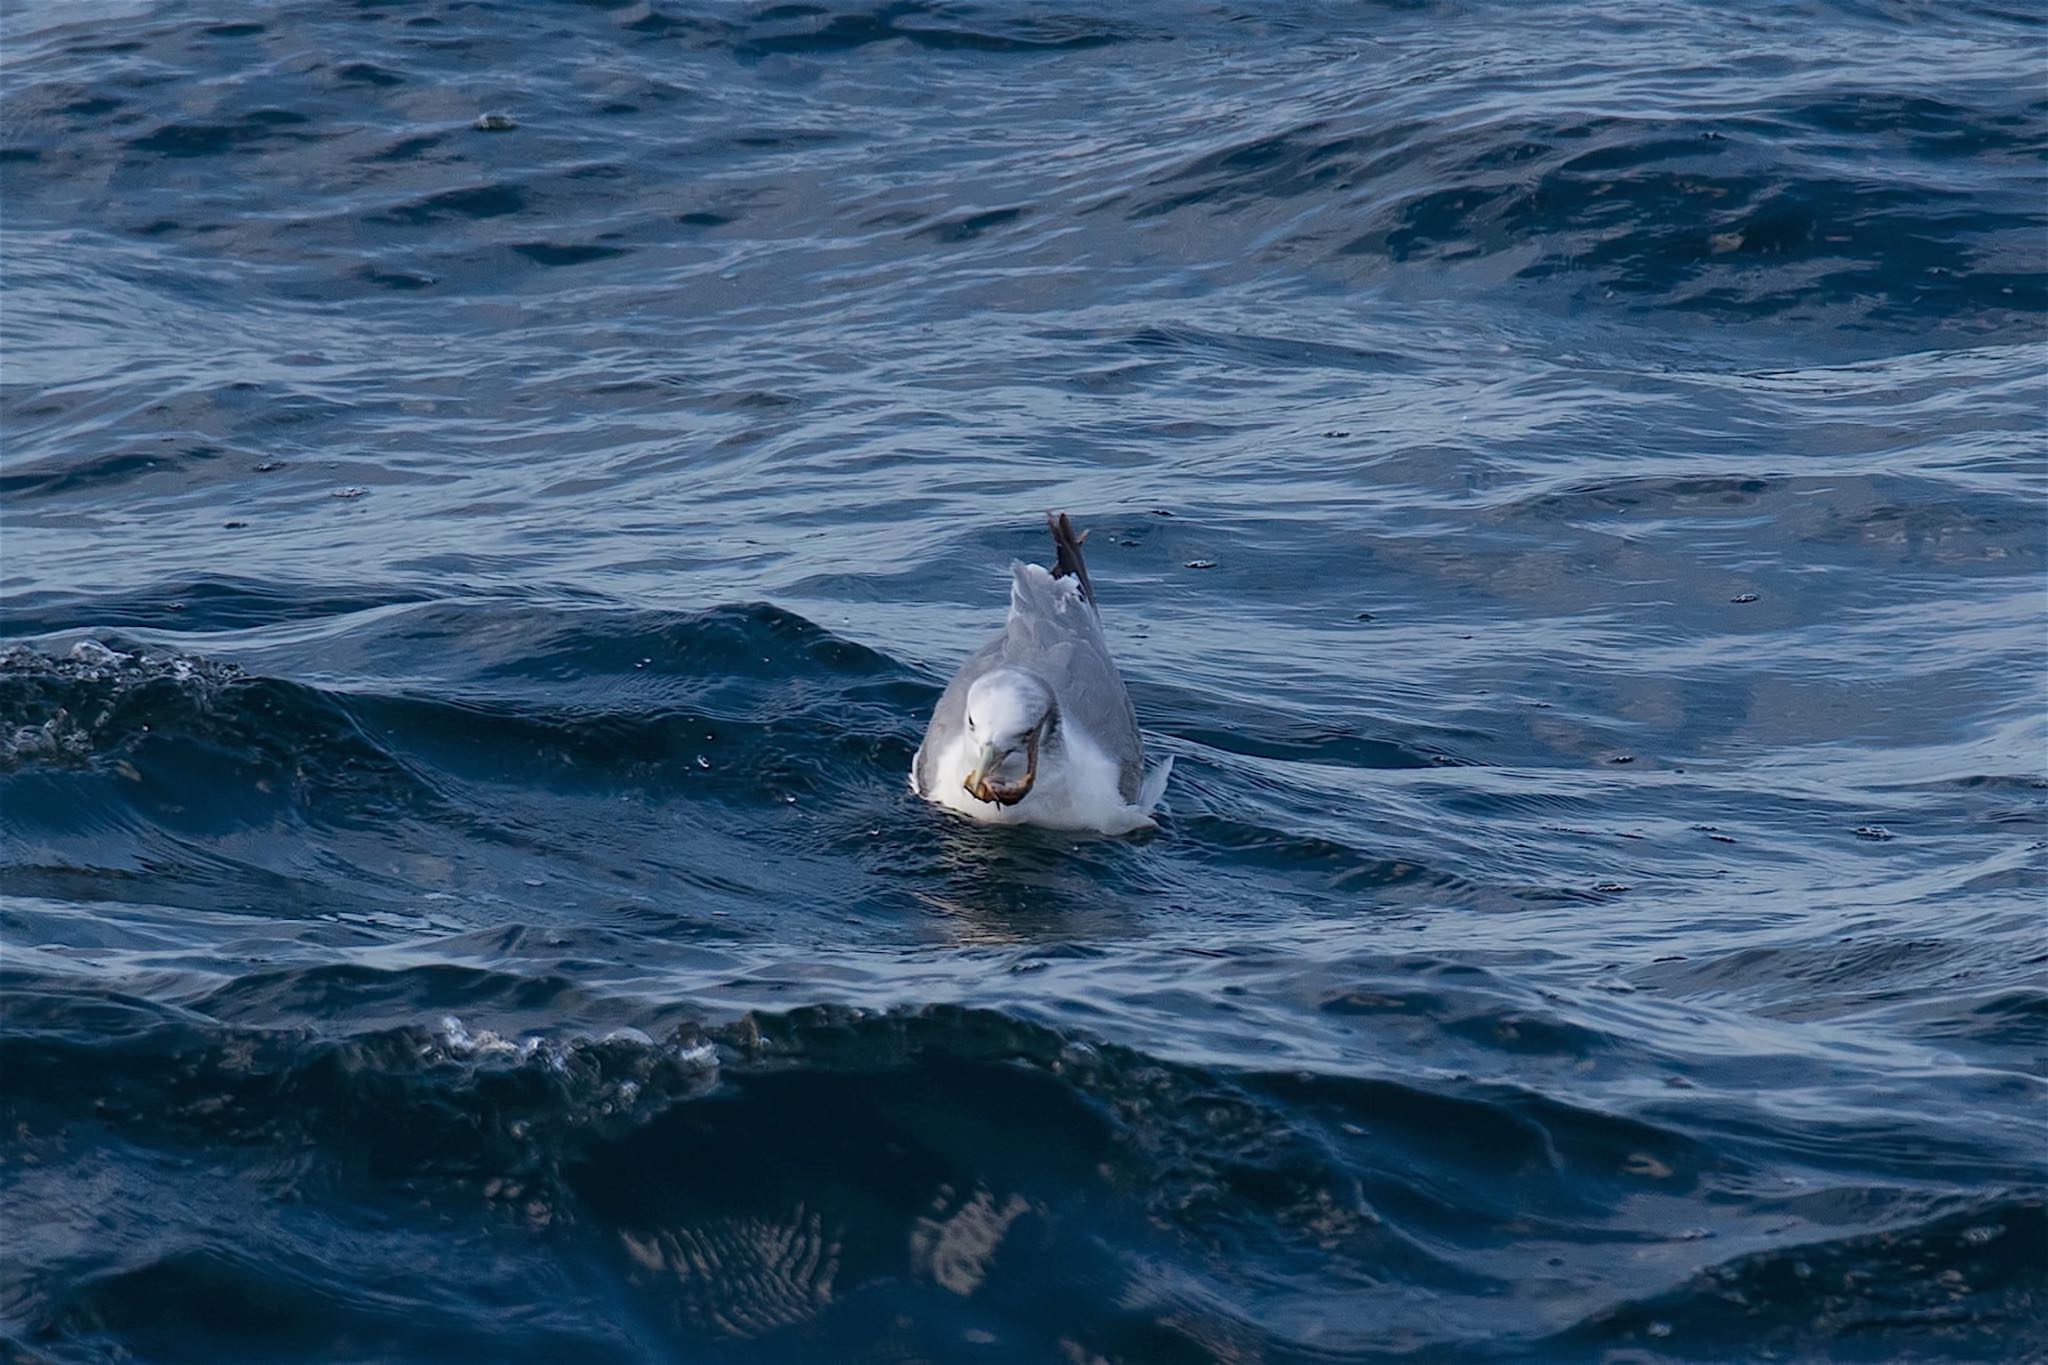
(981,788)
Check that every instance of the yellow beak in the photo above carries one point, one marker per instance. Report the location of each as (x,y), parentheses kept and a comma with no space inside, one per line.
(985,762)
(983,788)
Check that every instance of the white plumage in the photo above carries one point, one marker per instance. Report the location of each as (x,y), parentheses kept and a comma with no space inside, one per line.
(1036,727)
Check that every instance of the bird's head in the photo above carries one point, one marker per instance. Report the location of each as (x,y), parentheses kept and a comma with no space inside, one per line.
(1009,712)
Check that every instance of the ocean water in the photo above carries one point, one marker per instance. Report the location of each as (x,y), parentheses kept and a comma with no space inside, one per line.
(492,490)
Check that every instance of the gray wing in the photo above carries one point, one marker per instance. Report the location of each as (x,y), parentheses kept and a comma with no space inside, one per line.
(1055,632)
(949,717)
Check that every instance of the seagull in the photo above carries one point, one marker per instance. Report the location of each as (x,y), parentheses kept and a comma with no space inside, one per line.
(1036,728)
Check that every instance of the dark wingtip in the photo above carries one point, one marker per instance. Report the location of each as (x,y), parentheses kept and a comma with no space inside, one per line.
(1068,562)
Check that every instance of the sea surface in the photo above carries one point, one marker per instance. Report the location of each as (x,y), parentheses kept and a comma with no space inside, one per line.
(492,491)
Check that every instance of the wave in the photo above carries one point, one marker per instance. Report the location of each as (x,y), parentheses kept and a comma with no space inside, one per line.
(758,1187)
(1842,189)
(1574,507)
(580,734)
(763,1183)
(1965,1283)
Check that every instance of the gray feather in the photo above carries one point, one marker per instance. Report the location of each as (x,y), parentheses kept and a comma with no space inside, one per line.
(1054,632)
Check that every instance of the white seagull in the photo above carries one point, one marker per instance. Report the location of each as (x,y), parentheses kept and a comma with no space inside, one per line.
(1036,728)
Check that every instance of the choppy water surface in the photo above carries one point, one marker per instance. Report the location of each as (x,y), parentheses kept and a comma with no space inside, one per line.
(1566,485)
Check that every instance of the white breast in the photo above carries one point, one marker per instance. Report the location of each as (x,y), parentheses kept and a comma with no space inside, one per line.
(1076,789)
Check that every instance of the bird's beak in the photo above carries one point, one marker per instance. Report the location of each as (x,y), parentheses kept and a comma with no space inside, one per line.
(976,780)
(983,787)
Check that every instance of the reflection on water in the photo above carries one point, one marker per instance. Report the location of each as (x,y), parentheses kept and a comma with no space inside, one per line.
(1571,511)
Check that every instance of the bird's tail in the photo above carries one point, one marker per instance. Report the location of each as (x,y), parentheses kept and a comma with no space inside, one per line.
(1068,563)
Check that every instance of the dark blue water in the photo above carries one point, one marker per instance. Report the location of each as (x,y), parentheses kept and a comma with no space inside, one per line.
(1567,489)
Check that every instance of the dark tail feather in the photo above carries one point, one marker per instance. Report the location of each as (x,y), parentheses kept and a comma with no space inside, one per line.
(1069,564)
